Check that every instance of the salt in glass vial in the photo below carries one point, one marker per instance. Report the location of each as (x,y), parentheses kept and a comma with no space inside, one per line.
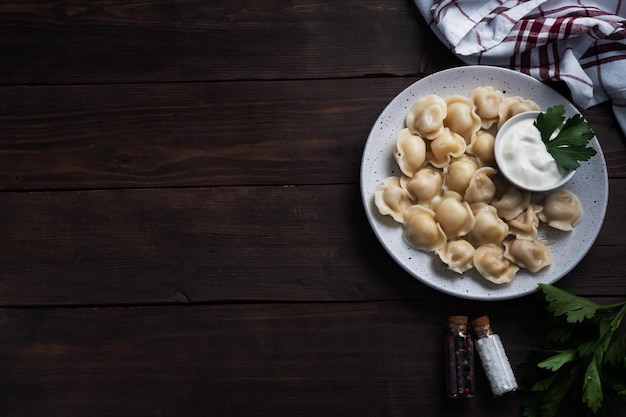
(493,357)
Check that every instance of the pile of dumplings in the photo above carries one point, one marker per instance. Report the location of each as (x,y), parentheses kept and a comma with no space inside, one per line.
(450,198)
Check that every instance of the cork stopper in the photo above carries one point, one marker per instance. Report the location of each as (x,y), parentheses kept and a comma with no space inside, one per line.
(482,326)
(457,320)
(457,324)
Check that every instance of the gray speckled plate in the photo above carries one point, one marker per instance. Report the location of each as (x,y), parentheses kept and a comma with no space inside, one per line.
(590,184)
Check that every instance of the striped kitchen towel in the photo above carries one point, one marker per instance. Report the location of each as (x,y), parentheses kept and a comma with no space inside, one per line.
(583,45)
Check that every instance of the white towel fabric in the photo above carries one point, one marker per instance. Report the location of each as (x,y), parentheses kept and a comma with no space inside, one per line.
(581,45)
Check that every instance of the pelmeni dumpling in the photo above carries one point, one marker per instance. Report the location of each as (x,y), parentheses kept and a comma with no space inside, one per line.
(450,198)
(561,209)
(462,117)
(459,174)
(490,262)
(530,254)
(424,185)
(454,215)
(425,118)
(421,231)
(444,147)
(514,105)
(487,101)
(458,255)
(526,224)
(481,188)
(510,201)
(489,227)
(392,199)
(482,147)
(410,152)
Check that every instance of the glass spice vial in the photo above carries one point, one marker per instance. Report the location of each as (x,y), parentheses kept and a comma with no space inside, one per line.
(493,357)
(459,352)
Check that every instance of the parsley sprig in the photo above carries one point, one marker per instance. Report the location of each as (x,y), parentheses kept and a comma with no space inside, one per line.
(583,357)
(569,146)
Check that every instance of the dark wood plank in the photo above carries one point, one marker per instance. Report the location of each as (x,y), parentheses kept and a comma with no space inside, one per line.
(611,138)
(187,134)
(190,245)
(303,243)
(381,358)
(204,134)
(188,40)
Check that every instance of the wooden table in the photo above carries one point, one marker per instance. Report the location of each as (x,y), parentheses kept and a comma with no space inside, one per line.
(181,227)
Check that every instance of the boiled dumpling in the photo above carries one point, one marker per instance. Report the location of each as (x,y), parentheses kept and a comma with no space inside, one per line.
(561,209)
(410,152)
(526,224)
(459,174)
(514,105)
(391,199)
(487,101)
(446,146)
(489,228)
(510,201)
(528,253)
(482,147)
(424,185)
(425,118)
(421,231)
(450,198)
(458,255)
(490,262)
(462,117)
(454,215)
(481,188)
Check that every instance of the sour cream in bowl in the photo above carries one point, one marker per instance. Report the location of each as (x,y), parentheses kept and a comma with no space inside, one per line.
(522,156)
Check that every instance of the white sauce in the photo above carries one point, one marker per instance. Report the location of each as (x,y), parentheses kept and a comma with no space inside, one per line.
(525,158)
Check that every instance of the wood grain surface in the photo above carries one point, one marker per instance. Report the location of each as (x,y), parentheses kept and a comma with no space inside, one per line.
(181,225)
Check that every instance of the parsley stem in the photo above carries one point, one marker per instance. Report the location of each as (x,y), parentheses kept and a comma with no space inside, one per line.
(618,317)
(612,306)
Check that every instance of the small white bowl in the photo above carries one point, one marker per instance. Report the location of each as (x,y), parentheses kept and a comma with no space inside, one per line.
(503,142)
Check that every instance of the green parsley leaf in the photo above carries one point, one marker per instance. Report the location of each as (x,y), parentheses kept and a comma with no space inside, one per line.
(589,365)
(561,302)
(592,387)
(616,352)
(546,395)
(569,146)
(555,395)
(544,384)
(620,388)
(550,121)
(555,362)
(586,348)
(559,334)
